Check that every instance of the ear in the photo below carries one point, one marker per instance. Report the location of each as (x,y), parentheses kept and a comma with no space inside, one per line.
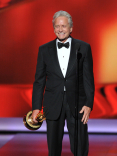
(71,29)
(54,30)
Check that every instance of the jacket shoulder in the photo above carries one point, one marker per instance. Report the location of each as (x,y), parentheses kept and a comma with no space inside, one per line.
(49,44)
(81,42)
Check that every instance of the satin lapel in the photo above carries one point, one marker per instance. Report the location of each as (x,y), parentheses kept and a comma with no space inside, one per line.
(54,57)
(72,58)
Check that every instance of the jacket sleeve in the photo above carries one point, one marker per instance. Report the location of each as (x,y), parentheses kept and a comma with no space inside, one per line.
(39,83)
(88,78)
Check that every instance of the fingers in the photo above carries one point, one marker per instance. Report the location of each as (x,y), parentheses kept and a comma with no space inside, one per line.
(34,115)
(82,110)
(34,120)
(85,119)
(86,114)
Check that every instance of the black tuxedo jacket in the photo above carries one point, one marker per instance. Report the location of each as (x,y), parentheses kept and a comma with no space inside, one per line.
(49,77)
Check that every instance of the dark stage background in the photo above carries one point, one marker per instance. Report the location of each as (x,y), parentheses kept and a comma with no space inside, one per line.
(27,24)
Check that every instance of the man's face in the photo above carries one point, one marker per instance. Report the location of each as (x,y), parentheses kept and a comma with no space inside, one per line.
(62,28)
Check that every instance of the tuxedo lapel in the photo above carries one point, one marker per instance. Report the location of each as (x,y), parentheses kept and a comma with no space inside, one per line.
(54,57)
(72,58)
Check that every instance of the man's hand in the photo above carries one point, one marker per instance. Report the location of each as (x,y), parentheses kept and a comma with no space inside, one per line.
(34,114)
(86,114)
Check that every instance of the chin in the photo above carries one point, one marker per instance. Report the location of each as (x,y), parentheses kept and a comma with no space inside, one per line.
(62,39)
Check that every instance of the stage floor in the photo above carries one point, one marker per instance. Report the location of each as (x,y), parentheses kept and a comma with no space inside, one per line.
(28,144)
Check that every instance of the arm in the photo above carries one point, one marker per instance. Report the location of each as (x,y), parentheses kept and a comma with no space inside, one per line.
(39,85)
(88,81)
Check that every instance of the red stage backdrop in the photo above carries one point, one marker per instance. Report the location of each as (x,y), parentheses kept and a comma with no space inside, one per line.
(27,24)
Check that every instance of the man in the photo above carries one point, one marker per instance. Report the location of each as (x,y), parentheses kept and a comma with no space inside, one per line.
(56,73)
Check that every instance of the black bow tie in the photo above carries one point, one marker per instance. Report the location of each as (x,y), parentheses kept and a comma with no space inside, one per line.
(60,45)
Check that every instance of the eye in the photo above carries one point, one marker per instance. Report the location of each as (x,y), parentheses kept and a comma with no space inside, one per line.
(64,26)
(56,26)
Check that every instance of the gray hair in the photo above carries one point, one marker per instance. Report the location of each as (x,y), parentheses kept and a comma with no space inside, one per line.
(63,13)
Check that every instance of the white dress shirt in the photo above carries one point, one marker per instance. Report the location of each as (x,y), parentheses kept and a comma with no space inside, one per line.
(63,56)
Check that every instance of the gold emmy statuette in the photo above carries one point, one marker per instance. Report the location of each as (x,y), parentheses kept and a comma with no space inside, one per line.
(30,124)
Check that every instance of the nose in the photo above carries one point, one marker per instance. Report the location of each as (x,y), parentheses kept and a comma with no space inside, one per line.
(60,28)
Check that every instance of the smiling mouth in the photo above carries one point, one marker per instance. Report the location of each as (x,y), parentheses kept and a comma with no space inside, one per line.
(61,33)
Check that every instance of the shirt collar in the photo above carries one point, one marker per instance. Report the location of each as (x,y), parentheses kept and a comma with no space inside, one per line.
(68,40)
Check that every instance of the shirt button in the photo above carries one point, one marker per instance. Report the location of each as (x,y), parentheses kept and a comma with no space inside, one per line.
(63,68)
